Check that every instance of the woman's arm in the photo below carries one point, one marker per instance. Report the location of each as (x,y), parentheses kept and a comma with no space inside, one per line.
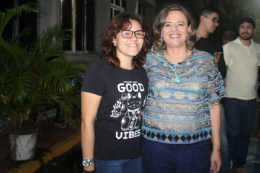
(215,124)
(89,105)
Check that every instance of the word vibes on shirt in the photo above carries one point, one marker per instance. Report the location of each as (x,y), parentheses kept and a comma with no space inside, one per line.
(128,134)
(128,107)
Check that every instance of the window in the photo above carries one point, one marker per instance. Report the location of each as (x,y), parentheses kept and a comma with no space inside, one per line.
(141,9)
(117,6)
(9,28)
(19,22)
(84,24)
(66,14)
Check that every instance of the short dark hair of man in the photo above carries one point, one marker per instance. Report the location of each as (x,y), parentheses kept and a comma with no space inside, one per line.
(248,20)
(206,11)
(229,36)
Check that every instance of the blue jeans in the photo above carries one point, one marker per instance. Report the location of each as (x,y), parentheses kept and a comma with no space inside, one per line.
(119,166)
(175,158)
(240,116)
(225,167)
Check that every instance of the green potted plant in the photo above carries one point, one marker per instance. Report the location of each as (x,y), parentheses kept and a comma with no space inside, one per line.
(35,77)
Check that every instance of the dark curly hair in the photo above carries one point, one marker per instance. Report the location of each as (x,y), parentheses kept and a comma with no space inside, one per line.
(159,23)
(122,22)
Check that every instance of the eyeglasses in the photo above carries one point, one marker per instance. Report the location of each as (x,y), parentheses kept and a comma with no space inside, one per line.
(215,20)
(128,34)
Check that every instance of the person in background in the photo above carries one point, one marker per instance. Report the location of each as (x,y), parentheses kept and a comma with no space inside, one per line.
(242,57)
(209,21)
(182,110)
(113,96)
(228,36)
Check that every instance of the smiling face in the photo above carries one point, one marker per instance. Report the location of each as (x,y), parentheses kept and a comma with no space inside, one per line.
(129,47)
(175,30)
(246,31)
(208,22)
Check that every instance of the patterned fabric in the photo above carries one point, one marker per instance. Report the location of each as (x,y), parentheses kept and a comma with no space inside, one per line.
(177,108)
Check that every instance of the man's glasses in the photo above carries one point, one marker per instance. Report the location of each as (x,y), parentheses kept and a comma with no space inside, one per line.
(128,34)
(215,20)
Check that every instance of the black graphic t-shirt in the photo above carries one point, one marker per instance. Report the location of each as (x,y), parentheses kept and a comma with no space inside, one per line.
(119,117)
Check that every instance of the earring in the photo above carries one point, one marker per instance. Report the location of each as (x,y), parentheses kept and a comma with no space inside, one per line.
(114,44)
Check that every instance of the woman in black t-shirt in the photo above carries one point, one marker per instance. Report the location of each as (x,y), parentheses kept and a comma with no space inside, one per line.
(113,97)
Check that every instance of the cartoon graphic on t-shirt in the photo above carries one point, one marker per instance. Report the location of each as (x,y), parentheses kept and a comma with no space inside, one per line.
(132,118)
(119,107)
(130,106)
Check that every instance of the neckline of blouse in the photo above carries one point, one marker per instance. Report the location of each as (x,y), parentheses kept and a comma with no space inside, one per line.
(179,63)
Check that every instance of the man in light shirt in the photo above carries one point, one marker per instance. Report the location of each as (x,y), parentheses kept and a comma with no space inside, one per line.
(242,57)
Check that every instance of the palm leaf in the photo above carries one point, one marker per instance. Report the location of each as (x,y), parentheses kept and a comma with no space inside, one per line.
(5,17)
(19,87)
(35,77)
(23,33)
(9,48)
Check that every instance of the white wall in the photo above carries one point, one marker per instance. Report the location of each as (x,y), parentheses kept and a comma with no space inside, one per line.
(253,6)
(51,16)
(102,18)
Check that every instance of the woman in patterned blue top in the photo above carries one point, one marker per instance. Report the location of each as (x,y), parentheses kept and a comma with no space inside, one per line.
(182,109)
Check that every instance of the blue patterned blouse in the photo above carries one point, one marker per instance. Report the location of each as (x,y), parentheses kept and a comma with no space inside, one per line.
(177,107)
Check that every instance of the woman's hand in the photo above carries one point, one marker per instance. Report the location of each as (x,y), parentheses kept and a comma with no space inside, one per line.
(89,107)
(90,168)
(215,161)
(217,58)
(215,123)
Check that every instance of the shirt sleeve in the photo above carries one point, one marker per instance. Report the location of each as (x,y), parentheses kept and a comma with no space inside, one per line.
(222,65)
(226,53)
(93,81)
(215,85)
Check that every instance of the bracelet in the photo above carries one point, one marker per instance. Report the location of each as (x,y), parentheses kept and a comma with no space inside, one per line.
(84,171)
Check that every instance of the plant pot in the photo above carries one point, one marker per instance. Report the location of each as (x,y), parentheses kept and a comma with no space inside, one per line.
(25,146)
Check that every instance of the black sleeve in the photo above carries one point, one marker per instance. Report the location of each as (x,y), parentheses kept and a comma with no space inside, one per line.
(93,81)
(222,68)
